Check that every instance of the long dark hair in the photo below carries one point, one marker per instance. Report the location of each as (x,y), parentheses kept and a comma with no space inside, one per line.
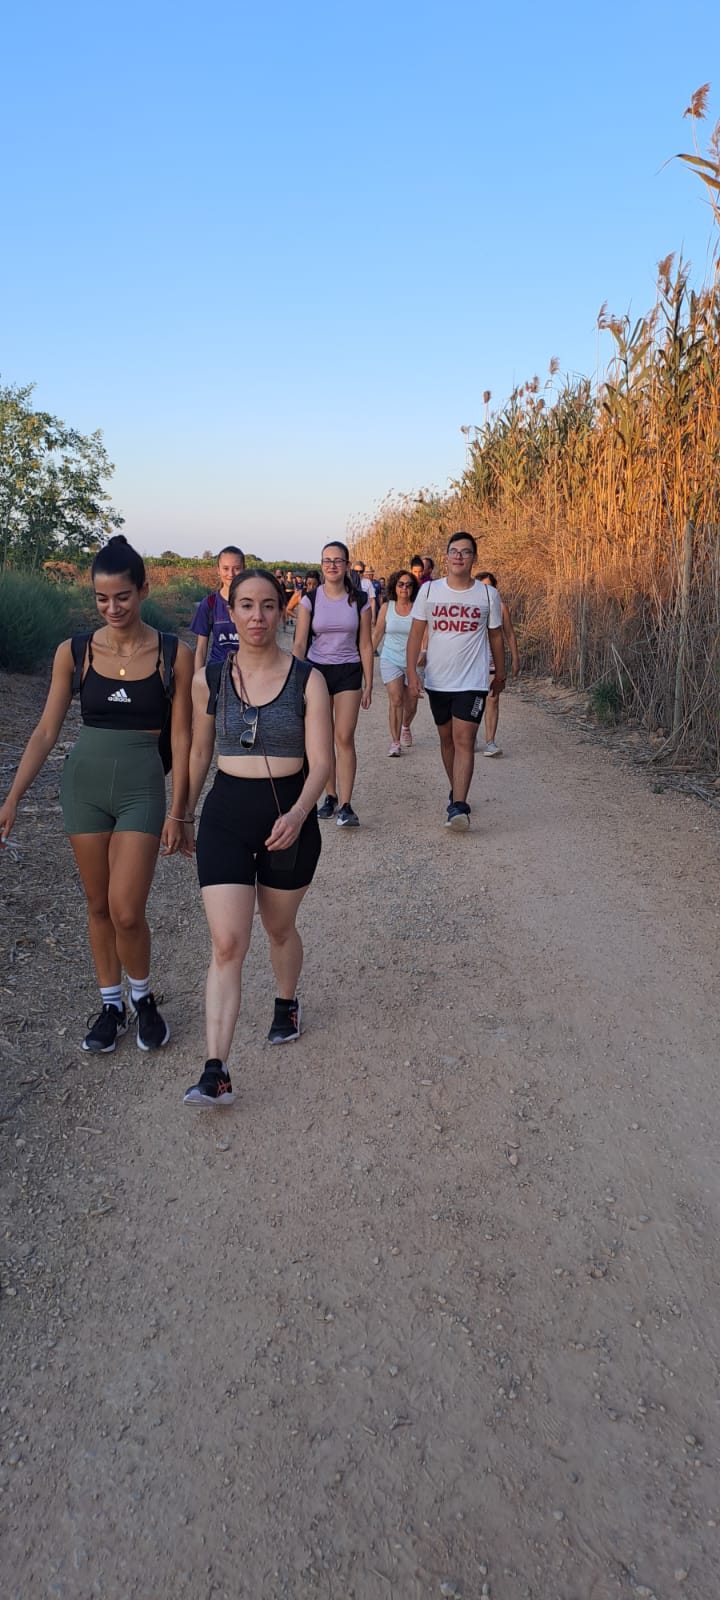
(257,572)
(402,572)
(350,587)
(118,557)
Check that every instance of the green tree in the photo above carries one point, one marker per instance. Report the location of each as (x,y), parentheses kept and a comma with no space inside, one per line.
(52,496)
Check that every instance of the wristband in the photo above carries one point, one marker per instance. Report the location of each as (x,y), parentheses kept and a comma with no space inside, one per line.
(171,818)
(302,810)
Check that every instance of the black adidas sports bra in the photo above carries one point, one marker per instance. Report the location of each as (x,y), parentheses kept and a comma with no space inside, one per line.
(140,706)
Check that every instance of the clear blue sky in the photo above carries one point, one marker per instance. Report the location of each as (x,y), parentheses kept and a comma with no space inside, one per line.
(278,252)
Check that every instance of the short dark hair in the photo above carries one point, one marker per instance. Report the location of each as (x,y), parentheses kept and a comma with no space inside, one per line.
(402,572)
(461,534)
(118,557)
(490,578)
(428,560)
(231,550)
(417,561)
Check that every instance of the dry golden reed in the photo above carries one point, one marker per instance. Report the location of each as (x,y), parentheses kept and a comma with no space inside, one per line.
(599,506)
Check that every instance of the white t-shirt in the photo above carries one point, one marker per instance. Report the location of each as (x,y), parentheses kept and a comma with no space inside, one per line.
(458,650)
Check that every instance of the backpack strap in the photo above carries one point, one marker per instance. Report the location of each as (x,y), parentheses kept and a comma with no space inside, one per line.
(169,648)
(311,597)
(211,598)
(361,600)
(213,679)
(302,670)
(78,644)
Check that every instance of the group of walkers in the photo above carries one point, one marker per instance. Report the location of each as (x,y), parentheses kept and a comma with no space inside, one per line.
(283,729)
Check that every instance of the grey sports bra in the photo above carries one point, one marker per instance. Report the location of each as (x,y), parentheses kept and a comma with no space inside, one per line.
(275,729)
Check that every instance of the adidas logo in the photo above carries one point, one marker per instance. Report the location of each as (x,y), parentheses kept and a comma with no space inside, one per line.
(121,696)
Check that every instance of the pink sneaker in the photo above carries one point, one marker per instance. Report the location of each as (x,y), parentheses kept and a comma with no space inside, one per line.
(394,750)
(405,737)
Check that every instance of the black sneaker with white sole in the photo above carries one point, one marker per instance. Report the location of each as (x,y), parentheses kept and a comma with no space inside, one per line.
(328,807)
(346,817)
(213,1089)
(286,1022)
(105,1029)
(152,1029)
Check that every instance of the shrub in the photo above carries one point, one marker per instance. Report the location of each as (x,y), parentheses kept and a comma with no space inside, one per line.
(160,616)
(35,615)
(606,703)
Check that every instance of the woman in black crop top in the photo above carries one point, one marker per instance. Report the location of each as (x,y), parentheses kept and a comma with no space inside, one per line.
(259,838)
(113,784)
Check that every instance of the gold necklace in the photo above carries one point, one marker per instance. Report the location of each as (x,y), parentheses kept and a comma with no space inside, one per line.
(122,670)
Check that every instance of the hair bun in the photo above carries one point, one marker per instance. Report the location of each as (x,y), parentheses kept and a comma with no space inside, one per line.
(117,538)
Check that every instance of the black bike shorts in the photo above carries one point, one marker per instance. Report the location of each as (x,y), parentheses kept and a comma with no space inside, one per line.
(238,816)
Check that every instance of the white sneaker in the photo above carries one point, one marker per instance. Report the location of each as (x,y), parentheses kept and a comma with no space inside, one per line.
(492,749)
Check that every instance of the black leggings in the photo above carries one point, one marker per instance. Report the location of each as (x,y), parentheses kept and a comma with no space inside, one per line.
(238,816)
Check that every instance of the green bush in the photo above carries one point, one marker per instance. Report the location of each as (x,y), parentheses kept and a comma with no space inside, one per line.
(34,616)
(606,702)
(163,617)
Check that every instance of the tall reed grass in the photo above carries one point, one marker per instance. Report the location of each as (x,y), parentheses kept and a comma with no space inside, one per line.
(600,506)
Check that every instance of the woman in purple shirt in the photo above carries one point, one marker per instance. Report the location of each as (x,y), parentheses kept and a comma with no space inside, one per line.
(333,631)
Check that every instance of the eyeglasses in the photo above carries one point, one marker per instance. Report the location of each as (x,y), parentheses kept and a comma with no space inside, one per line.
(333,561)
(403,585)
(460,550)
(250,716)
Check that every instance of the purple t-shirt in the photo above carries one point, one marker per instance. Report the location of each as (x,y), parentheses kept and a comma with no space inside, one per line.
(215,624)
(334,629)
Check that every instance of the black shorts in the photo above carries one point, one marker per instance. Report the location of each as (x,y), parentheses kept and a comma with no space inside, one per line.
(465,704)
(341,676)
(237,818)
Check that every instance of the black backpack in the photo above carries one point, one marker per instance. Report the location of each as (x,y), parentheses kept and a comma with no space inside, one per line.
(169,647)
(213,678)
(361,600)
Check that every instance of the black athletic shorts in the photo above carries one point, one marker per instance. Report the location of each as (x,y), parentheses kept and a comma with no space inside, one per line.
(237,817)
(341,676)
(465,704)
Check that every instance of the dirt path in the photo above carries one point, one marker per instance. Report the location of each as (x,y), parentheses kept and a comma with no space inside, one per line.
(434,1309)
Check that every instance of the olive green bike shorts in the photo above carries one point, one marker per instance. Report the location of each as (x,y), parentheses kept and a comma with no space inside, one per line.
(113,782)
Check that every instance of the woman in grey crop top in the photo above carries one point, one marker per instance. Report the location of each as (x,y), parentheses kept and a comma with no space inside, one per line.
(268,716)
(112,791)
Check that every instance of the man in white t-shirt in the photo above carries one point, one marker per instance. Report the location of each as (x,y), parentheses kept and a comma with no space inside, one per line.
(464,633)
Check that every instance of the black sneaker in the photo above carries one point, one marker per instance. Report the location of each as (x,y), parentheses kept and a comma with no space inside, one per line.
(152,1029)
(108,1026)
(458,816)
(328,807)
(214,1088)
(346,817)
(286,1023)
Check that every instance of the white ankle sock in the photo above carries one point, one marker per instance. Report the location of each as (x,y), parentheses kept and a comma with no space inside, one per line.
(139,988)
(112,995)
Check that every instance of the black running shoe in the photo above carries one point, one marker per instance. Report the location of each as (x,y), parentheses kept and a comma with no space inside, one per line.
(214,1088)
(328,807)
(286,1023)
(346,817)
(108,1026)
(152,1029)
